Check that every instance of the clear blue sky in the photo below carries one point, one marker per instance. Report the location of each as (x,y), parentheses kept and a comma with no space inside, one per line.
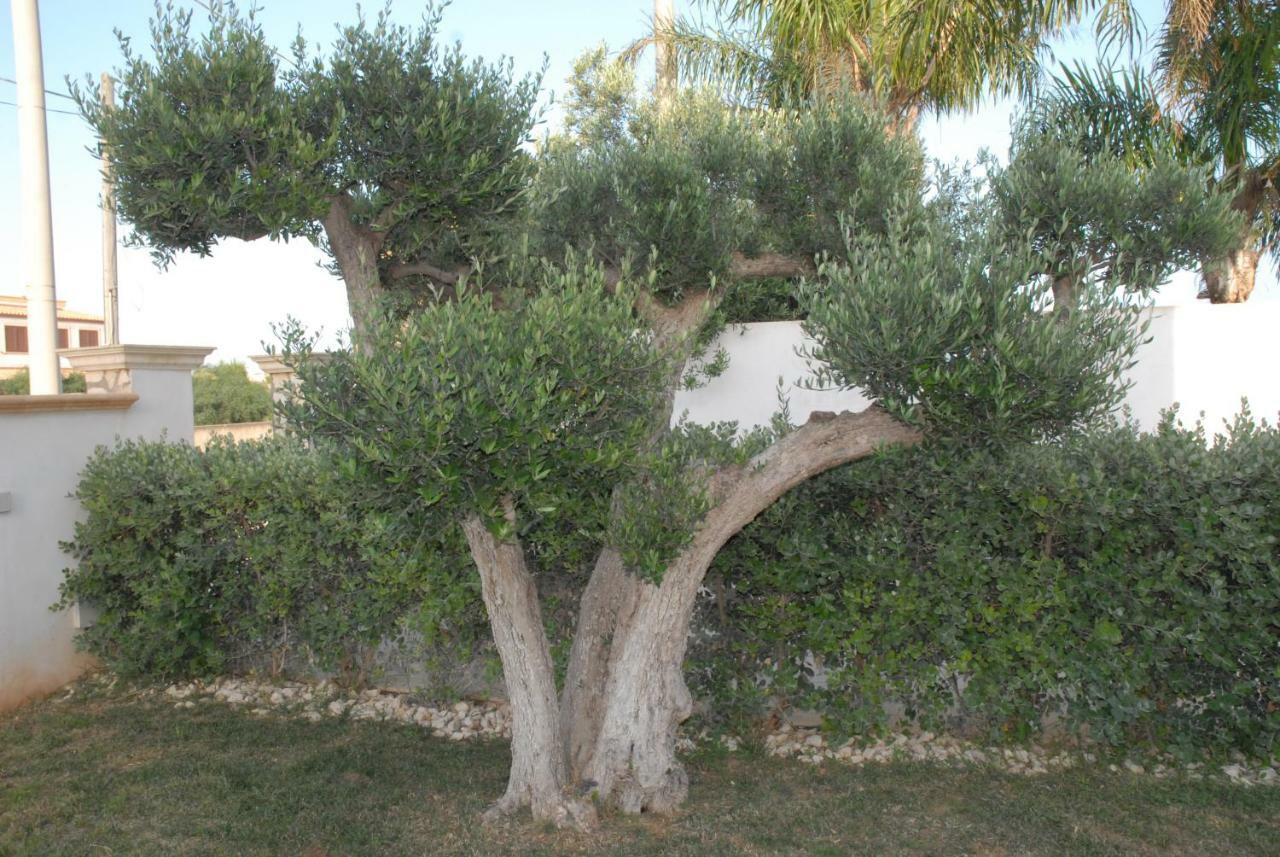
(230,300)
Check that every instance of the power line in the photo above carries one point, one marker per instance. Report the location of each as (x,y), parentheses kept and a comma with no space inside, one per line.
(46,110)
(46,92)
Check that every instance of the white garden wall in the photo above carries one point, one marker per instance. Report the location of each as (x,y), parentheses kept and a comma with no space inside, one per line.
(1203,357)
(141,392)
(1207,358)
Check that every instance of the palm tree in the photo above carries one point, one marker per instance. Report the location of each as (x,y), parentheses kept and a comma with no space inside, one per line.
(1216,91)
(1224,92)
(906,55)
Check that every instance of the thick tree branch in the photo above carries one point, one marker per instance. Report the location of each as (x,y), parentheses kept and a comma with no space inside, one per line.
(743,267)
(827,440)
(426,269)
(769,265)
(632,763)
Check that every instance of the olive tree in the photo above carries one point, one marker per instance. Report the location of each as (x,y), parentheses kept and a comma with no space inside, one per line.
(536,409)
(394,151)
(1125,219)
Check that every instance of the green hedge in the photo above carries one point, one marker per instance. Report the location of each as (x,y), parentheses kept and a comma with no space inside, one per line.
(1132,581)
(1128,581)
(247,555)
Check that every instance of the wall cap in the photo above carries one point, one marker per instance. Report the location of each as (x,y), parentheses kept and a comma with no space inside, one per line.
(105,358)
(67,402)
(273,365)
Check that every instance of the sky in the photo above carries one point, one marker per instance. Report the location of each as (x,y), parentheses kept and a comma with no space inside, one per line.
(230,300)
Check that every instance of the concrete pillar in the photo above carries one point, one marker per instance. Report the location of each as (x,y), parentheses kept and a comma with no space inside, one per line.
(279,378)
(159,374)
(36,216)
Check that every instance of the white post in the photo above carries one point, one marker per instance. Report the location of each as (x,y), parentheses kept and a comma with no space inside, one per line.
(37,218)
(664,18)
(110,273)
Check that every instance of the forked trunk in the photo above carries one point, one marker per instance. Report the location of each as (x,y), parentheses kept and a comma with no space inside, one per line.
(1230,280)
(632,763)
(613,736)
(537,777)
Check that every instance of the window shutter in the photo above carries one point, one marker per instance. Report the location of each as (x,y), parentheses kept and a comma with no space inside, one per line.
(15,339)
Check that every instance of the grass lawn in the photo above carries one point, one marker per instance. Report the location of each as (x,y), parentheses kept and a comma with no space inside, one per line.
(108,773)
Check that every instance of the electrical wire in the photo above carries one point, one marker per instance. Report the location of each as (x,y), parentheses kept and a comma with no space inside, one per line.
(46,110)
(46,92)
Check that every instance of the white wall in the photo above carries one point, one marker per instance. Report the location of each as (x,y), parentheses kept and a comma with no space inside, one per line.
(1203,357)
(41,456)
(759,355)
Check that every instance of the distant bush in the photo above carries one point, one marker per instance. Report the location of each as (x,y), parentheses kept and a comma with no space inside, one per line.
(19,384)
(226,394)
(1129,580)
(247,554)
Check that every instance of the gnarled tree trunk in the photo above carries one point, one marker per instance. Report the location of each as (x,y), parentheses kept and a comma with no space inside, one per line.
(608,602)
(537,777)
(613,734)
(356,249)
(1231,280)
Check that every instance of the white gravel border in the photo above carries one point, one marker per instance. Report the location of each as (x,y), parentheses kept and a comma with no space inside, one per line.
(464,720)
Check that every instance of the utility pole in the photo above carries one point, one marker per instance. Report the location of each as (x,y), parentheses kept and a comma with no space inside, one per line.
(664,18)
(110,273)
(36,213)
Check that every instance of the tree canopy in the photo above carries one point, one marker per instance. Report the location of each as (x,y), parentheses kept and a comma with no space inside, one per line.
(905,56)
(523,321)
(393,150)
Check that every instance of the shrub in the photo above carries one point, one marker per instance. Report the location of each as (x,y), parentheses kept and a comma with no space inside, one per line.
(225,394)
(1129,580)
(246,554)
(19,384)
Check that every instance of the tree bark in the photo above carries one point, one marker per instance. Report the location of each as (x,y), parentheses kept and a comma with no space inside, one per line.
(1231,280)
(537,777)
(608,602)
(356,250)
(632,763)
(612,595)
(1064,293)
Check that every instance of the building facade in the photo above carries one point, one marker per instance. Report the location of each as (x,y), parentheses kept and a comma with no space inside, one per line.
(75,330)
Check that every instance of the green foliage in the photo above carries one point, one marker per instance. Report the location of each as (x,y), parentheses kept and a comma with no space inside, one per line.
(1213,96)
(545,401)
(1098,209)
(1129,580)
(601,99)
(217,135)
(691,183)
(243,554)
(19,384)
(427,141)
(225,394)
(948,329)
(906,56)
(208,139)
